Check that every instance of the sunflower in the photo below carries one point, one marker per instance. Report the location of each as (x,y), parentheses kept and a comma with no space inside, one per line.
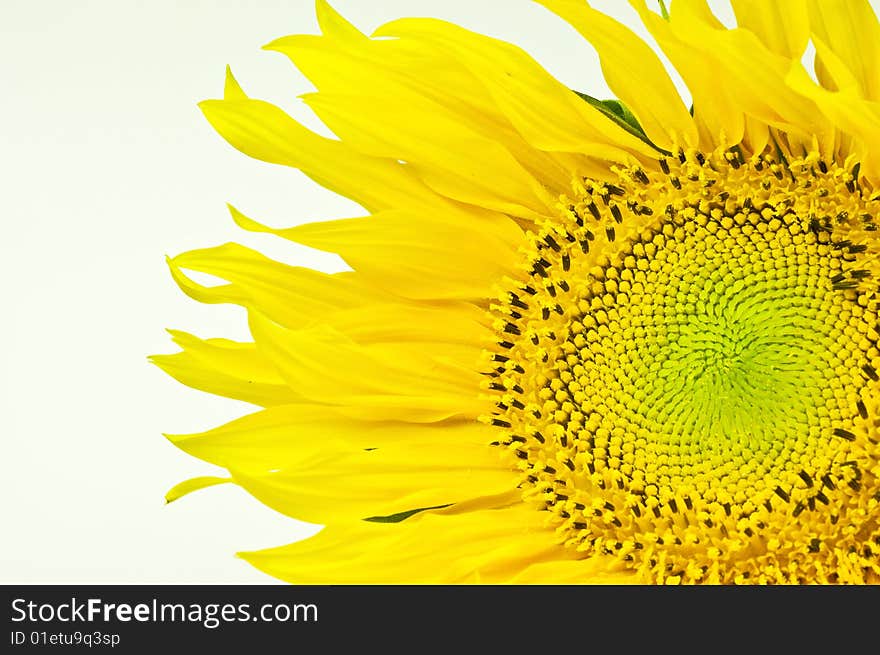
(582,340)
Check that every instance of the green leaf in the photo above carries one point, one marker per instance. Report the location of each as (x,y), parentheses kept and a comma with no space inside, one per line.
(620,114)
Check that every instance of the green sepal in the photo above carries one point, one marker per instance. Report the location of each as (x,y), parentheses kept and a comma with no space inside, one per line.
(402,516)
(663,10)
(620,114)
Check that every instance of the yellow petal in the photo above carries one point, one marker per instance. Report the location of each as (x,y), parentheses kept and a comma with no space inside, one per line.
(221,293)
(782,25)
(489,546)
(852,114)
(718,117)
(545,112)
(191,485)
(391,318)
(231,88)
(309,462)
(851,30)
(377,381)
(450,158)
(456,323)
(836,76)
(756,72)
(395,68)
(278,437)
(263,131)
(290,295)
(450,144)
(226,368)
(633,72)
(333,24)
(419,256)
(333,487)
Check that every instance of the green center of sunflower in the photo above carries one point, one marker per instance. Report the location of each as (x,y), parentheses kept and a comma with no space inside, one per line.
(686,372)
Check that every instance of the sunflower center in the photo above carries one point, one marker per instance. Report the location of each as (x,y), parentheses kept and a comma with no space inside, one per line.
(723,346)
(685,369)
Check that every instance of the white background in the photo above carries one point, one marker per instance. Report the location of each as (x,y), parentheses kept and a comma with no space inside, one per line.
(106,166)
